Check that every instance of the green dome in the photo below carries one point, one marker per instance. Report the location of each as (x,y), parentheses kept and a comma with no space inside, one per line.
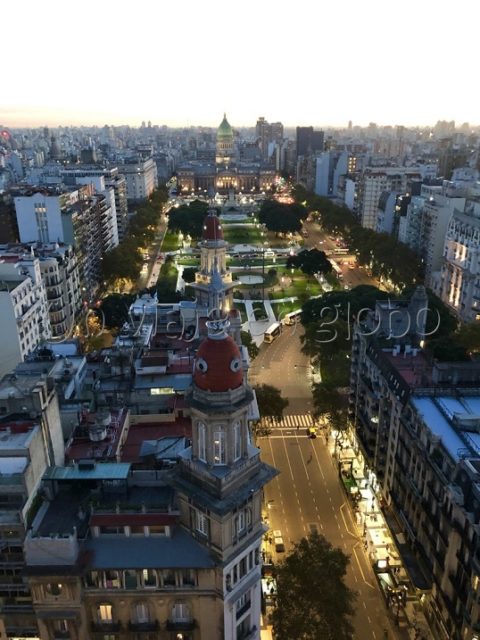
(225,130)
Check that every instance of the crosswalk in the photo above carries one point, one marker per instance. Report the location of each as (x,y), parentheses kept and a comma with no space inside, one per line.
(288,421)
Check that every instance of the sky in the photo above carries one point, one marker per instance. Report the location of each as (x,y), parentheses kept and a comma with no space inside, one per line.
(308,62)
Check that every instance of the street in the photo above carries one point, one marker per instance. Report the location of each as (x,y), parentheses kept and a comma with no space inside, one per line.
(308,495)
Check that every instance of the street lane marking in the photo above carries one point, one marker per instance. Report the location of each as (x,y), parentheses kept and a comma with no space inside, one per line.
(361,571)
(345,522)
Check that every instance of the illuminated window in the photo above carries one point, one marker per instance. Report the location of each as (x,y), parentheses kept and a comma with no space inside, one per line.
(219,456)
(105,613)
(54,588)
(149,578)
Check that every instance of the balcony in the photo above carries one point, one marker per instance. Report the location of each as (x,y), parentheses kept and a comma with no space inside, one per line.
(181,625)
(60,635)
(106,627)
(243,609)
(140,627)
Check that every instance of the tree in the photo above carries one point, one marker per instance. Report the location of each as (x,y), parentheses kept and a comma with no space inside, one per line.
(188,274)
(313,600)
(115,309)
(270,401)
(188,219)
(280,217)
(249,344)
(310,261)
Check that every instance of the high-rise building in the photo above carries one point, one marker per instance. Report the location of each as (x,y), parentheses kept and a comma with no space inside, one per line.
(23,310)
(309,141)
(417,425)
(30,441)
(459,285)
(81,217)
(141,178)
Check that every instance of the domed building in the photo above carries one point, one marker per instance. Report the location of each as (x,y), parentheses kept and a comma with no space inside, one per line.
(225,172)
(220,480)
(212,258)
(225,149)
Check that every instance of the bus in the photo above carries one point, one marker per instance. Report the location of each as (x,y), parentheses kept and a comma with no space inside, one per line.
(337,269)
(272,332)
(293,317)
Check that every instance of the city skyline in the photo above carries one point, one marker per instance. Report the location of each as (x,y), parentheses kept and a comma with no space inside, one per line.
(322,67)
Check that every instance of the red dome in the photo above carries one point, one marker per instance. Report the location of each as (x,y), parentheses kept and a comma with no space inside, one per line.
(218,365)
(212,229)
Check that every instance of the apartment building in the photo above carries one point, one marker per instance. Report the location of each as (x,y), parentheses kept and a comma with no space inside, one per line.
(459,285)
(60,275)
(80,217)
(30,441)
(140,176)
(417,424)
(23,311)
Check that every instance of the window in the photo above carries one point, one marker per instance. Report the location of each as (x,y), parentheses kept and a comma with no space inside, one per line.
(149,578)
(157,530)
(112,580)
(137,530)
(54,588)
(168,578)
(219,448)
(60,626)
(105,613)
(202,451)
(188,578)
(141,613)
(201,524)
(243,604)
(237,442)
(130,579)
(181,612)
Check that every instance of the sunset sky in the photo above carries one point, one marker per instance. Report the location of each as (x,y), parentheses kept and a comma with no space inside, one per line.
(185,63)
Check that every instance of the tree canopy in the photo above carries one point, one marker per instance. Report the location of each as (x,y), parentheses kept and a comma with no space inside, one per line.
(382,253)
(310,261)
(270,401)
(125,260)
(115,309)
(280,217)
(313,600)
(188,219)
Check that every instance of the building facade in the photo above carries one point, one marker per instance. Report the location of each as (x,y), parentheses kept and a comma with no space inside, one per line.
(141,178)
(460,274)
(416,423)
(24,314)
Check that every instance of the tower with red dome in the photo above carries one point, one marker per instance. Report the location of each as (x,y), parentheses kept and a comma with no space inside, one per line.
(212,258)
(220,478)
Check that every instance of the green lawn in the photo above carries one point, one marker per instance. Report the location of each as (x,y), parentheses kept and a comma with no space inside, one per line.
(187,261)
(303,287)
(282,308)
(257,262)
(242,235)
(259,311)
(170,242)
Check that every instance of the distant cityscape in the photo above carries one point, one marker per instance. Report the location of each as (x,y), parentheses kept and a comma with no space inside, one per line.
(155,284)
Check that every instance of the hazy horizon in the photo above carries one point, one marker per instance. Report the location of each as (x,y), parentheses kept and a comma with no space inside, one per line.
(314,65)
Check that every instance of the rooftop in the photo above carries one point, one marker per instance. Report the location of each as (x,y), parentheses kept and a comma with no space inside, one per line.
(454,420)
(176,552)
(133,449)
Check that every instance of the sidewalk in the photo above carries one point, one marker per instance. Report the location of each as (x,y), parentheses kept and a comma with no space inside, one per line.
(378,542)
